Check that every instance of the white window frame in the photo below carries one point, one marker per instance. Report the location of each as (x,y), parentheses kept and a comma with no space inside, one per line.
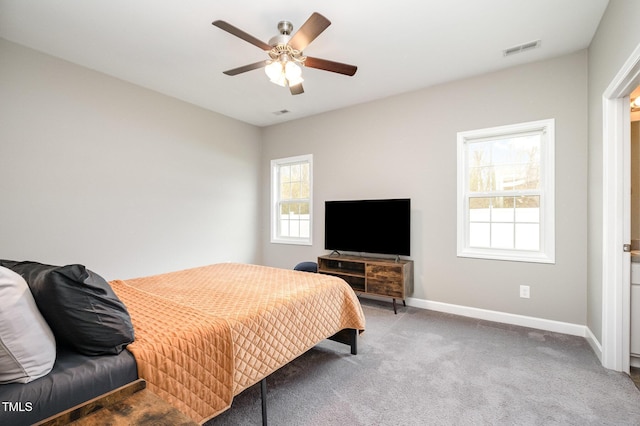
(546,252)
(276,236)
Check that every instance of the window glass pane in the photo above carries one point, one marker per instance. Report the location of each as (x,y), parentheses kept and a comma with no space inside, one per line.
(480,154)
(517,177)
(502,235)
(285,191)
(527,237)
(301,208)
(479,235)
(504,164)
(481,179)
(304,209)
(285,173)
(305,228)
(479,209)
(502,209)
(500,151)
(284,227)
(509,177)
(294,228)
(528,209)
(295,190)
(520,163)
(507,202)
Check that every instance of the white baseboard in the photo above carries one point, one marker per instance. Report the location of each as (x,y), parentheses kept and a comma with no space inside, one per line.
(594,343)
(506,318)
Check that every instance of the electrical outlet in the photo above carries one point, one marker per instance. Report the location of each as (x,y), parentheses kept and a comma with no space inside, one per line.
(524,291)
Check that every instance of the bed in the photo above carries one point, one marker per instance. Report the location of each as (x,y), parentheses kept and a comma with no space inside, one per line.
(202,335)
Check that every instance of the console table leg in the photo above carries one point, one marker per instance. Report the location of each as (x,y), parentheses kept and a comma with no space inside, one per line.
(395,311)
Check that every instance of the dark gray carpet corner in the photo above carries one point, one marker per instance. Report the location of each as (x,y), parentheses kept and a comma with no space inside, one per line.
(423,367)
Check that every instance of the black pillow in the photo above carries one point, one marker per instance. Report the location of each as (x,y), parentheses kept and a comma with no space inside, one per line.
(79,305)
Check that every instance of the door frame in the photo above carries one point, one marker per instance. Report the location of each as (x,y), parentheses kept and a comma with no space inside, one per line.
(616,282)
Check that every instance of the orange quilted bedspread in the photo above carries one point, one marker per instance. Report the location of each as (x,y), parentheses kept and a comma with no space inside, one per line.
(206,334)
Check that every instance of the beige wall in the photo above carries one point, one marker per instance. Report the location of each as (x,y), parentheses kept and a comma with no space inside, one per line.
(612,44)
(129,182)
(405,146)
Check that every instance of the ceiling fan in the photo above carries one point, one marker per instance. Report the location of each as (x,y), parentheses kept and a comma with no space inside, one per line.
(285,52)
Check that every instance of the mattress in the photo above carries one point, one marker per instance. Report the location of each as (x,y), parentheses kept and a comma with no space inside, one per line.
(205,334)
(74,379)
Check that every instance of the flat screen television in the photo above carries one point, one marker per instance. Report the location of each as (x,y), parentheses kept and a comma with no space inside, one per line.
(368,226)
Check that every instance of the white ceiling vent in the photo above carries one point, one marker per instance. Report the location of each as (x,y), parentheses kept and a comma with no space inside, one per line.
(522,48)
(281,112)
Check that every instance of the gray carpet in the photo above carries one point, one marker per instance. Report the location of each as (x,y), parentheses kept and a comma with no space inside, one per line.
(427,368)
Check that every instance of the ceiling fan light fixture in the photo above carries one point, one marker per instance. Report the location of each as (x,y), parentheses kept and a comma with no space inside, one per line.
(275,73)
(280,81)
(293,73)
(283,72)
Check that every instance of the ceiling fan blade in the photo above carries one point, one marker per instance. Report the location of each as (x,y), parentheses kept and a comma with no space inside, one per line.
(326,65)
(308,32)
(241,34)
(245,68)
(297,89)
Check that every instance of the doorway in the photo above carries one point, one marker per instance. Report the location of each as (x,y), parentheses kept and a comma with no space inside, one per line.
(616,264)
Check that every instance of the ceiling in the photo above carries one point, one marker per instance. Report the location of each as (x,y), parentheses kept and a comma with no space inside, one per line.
(171,47)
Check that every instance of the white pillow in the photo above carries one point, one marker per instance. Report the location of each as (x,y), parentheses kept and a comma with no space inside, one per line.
(27,345)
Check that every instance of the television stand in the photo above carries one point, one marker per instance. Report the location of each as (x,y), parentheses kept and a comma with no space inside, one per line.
(391,278)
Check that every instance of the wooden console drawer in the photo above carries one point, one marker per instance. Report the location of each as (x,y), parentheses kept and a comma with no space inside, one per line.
(384,288)
(384,280)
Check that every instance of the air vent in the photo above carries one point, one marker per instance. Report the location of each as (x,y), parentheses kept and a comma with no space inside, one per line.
(522,48)
(281,112)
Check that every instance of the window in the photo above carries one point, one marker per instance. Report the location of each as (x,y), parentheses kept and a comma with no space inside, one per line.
(506,192)
(291,200)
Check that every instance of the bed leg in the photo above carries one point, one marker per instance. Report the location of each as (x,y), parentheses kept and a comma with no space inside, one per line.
(348,336)
(354,342)
(263,395)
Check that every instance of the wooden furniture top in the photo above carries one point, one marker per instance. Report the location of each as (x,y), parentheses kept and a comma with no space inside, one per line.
(367,259)
(131,404)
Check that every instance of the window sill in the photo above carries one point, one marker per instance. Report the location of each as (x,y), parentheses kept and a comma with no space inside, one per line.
(507,255)
(296,242)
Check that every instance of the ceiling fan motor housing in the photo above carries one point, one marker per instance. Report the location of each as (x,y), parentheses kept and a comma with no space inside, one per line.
(285,28)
